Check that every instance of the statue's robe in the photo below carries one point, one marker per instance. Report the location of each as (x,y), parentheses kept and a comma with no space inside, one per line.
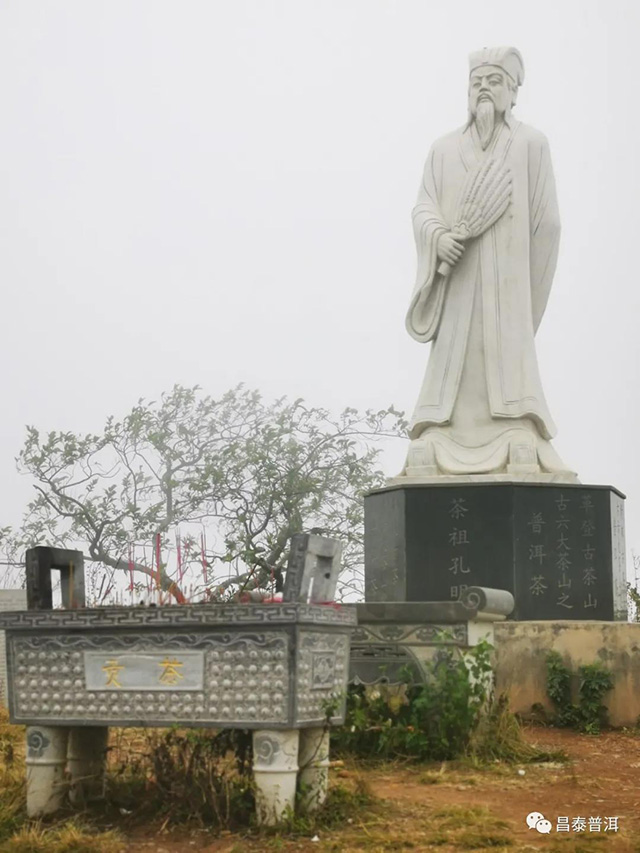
(482,377)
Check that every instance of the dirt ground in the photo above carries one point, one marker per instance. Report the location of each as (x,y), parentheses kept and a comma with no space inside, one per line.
(455,808)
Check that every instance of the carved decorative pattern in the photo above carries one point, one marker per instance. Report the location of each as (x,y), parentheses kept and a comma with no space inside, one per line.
(322,672)
(442,634)
(150,641)
(380,653)
(37,742)
(275,751)
(265,749)
(392,632)
(431,634)
(184,616)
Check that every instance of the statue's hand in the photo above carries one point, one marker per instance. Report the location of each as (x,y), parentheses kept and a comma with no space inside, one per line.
(450,248)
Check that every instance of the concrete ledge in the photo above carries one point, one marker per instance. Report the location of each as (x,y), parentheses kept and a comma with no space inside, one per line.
(476,602)
(413,612)
(522,648)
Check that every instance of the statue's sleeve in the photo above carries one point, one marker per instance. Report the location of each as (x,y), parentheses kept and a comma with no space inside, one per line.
(545,225)
(425,309)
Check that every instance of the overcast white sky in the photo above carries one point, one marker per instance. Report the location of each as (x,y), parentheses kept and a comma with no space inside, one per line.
(218,192)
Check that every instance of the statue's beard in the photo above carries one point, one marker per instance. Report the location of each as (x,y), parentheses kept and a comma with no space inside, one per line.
(485,121)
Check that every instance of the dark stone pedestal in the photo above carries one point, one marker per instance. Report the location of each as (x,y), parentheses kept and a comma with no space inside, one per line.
(558,548)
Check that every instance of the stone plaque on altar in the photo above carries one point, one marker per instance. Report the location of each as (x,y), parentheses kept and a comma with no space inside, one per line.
(173,670)
(559,548)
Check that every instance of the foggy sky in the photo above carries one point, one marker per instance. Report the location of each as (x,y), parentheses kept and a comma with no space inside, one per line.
(220,192)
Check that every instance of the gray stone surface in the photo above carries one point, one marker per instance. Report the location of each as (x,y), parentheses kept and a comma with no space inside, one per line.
(558,549)
(40,563)
(497,603)
(618,557)
(177,670)
(388,652)
(416,612)
(264,665)
(313,569)
(10,599)
(476,602)
(273,668)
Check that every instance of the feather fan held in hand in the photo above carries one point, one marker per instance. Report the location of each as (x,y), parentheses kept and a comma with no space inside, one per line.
(485,196)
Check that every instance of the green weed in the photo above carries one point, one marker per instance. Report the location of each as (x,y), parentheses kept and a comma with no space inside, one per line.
(589,715)
(431,721)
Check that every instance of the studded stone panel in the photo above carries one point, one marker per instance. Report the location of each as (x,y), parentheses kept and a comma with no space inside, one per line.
(245,680)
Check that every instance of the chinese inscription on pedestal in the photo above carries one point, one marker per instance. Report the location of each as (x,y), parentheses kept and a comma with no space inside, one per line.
(458,538)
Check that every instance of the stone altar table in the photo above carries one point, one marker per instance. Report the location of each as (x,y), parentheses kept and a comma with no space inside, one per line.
(272,668)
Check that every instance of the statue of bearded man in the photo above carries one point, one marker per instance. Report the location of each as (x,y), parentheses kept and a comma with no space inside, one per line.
(480,297)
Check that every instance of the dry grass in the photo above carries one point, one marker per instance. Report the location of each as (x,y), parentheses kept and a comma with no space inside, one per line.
(395,826)
(585,844)
(353,822)
(158,779)
(19,835)
(12,782)
(151,772)
(499,737)
(69,837)
(190,777)
(467,828)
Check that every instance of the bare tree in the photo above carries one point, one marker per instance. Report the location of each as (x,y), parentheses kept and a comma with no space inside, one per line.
(249,473)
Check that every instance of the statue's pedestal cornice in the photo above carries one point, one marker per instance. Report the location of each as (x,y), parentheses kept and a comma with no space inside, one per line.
(562,477)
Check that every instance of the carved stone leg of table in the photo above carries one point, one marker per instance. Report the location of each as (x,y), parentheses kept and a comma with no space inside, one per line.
(314,767)
(46,762)
(87,754)
(275,770)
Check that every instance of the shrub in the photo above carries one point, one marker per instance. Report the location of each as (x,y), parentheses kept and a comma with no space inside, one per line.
(498,737)
(192,775)
(594,681)
(433,720)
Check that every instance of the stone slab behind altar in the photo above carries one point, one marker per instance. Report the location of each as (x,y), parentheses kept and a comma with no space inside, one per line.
(10,599)
(559,549)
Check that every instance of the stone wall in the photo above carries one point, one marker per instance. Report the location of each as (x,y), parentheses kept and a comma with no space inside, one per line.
(522,647)
(10,599)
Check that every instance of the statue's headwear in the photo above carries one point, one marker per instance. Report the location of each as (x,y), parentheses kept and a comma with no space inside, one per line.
(507,58)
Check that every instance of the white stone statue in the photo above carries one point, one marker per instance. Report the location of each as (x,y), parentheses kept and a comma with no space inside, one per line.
(487,230)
